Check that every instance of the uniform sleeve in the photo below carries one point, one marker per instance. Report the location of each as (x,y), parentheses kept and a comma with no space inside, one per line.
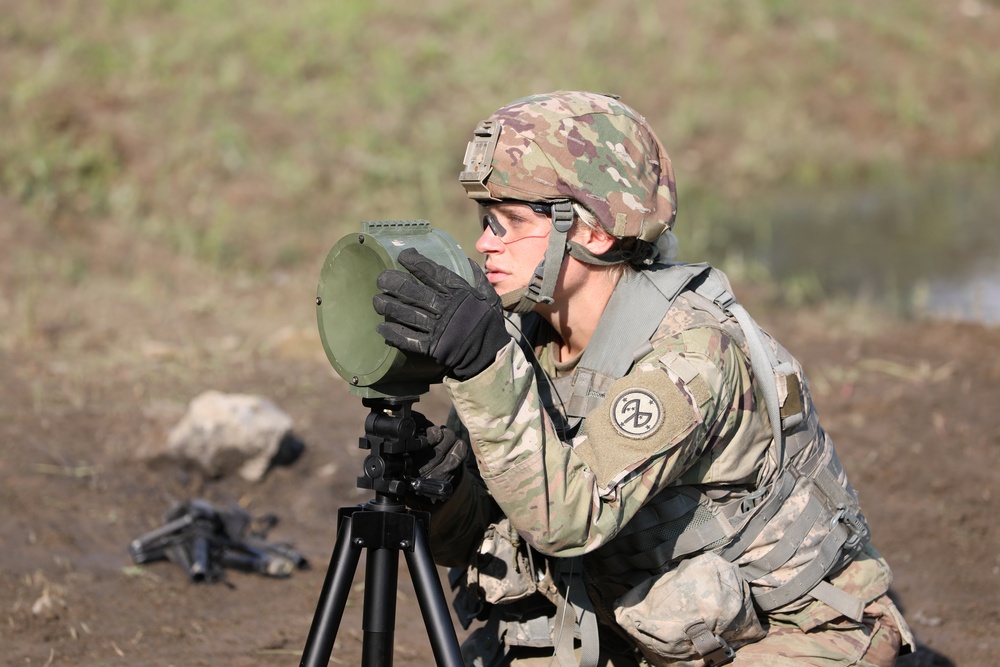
(569,497)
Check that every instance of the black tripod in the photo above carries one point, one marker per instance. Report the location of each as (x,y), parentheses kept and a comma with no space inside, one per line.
(384,526)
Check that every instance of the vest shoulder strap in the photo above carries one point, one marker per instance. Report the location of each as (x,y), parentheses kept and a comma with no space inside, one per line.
(636,309)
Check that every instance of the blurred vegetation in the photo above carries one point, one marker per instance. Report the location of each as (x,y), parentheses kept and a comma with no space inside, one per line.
(248,137)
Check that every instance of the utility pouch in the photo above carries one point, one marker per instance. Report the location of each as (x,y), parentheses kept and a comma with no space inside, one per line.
(702,610)
(502,572)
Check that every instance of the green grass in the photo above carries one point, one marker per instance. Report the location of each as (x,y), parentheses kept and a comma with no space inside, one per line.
(250,136)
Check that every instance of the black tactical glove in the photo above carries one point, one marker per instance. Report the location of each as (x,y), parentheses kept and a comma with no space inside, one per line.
(433,311)
(444,458)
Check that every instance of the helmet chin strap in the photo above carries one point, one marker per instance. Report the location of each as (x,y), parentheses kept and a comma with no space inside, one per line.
(543,282)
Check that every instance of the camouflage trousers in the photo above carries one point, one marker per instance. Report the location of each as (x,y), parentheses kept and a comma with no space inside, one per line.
(873,642)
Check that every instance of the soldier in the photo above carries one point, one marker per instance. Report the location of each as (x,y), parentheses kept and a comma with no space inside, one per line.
(640,474)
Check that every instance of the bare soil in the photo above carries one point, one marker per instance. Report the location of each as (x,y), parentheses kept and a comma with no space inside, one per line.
(912,406)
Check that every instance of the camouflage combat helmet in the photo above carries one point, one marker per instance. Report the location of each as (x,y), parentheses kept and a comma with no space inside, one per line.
(569,146)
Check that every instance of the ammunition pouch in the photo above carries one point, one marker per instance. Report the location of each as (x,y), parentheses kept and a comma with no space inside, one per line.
(702,609)
(504,570)
(527,600)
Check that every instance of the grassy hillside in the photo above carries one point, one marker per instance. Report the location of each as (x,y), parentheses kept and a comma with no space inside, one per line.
(245,138)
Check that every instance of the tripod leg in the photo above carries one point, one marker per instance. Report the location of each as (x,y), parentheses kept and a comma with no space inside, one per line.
(379,622)
(433,606)
(333,599)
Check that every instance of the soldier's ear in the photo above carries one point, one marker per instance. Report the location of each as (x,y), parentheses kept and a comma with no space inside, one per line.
(596,241)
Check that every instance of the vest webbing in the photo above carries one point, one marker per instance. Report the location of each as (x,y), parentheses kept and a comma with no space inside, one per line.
(634,313)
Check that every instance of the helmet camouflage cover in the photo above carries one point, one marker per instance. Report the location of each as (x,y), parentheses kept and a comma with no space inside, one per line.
(579,146)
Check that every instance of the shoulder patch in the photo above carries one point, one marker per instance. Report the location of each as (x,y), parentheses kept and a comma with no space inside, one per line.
(645,414)
(636,413)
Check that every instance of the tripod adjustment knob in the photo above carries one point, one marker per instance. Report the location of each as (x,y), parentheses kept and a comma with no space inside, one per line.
(433,488)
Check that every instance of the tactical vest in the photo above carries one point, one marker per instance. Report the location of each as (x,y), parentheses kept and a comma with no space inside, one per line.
(798,524)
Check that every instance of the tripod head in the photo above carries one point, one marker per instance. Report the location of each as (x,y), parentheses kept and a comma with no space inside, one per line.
(391,436)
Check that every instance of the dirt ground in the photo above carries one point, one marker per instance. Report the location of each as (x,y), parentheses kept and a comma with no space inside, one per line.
(912,407)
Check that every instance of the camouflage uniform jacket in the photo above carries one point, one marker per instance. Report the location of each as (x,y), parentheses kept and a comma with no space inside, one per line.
(687,421)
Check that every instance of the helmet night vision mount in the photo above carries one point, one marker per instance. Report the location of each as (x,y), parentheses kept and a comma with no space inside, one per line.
(347,319)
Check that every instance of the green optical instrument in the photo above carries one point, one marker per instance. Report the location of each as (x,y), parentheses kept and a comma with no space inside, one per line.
(347,320)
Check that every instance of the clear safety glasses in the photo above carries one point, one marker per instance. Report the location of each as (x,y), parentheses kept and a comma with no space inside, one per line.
(512,220)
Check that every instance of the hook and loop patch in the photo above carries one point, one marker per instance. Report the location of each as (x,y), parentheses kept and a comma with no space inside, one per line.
(644,415)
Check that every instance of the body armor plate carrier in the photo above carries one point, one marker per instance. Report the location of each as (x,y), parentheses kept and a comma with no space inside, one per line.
(802,481)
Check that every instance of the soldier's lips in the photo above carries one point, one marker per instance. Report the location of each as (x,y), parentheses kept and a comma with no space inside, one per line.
(495,275)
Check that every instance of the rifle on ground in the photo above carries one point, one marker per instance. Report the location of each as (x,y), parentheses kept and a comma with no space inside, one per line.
(205,540)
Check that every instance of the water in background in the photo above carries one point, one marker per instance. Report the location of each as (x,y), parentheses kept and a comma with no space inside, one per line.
(926,247)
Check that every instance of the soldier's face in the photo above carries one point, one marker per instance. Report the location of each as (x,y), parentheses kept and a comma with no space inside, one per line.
(513,254)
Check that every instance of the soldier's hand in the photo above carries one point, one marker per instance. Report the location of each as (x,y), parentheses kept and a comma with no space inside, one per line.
(444,458)
(431,310)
